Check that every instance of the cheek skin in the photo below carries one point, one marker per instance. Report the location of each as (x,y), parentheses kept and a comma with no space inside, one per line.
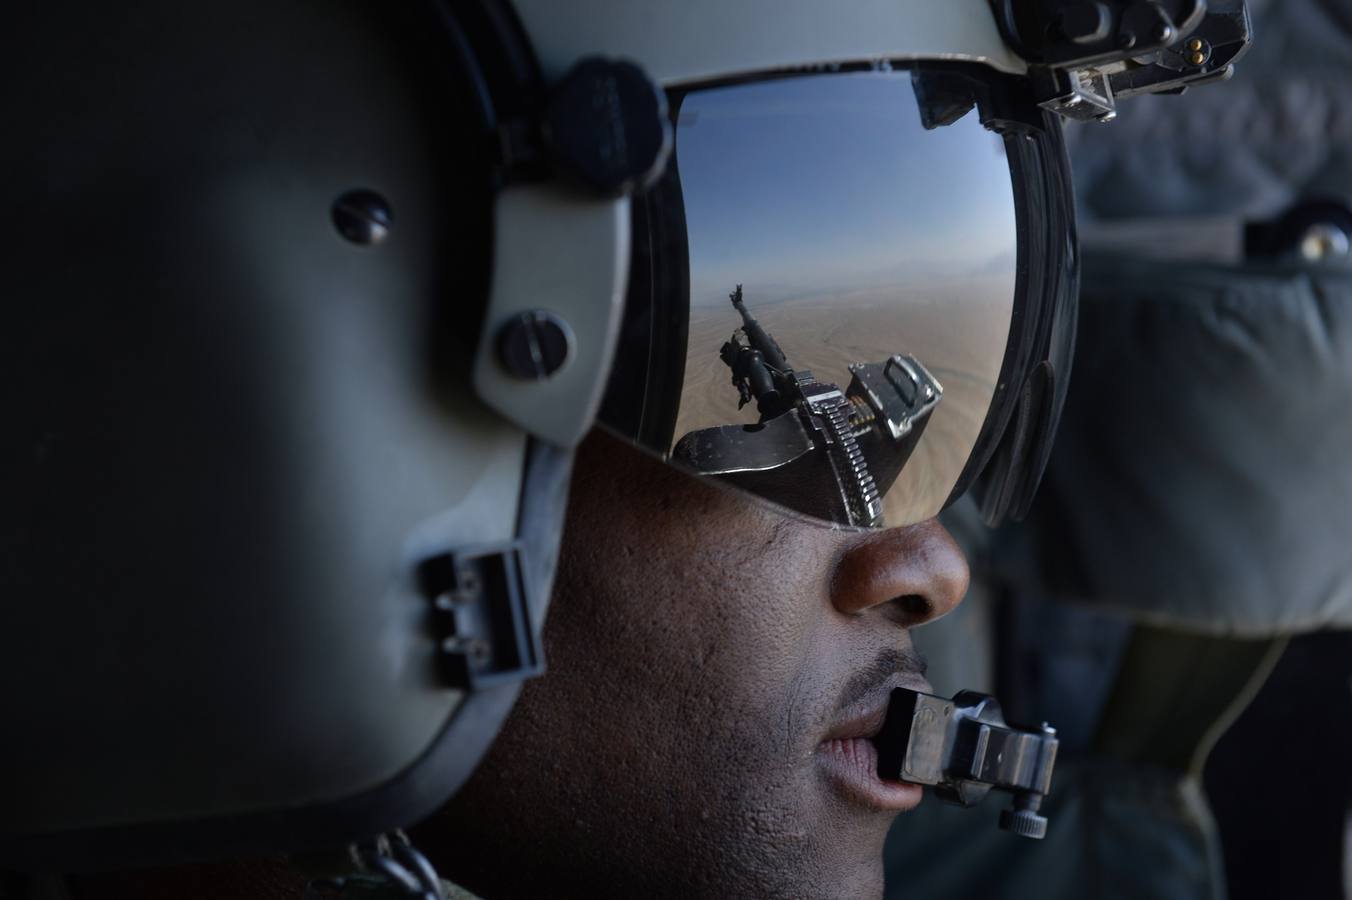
(690,651)
(694,653)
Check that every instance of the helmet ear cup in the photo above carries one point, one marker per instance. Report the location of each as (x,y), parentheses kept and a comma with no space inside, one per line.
(241,431)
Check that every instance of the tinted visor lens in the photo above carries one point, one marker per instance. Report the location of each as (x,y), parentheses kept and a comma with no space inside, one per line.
(848,275)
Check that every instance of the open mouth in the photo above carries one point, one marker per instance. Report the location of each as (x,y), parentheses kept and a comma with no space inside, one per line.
(849,758)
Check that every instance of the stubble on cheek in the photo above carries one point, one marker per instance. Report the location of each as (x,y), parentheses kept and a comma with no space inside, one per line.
(795,833)
(736,686)
(669,749)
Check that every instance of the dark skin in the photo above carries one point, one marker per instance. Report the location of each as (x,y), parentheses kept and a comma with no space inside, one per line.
(701,647)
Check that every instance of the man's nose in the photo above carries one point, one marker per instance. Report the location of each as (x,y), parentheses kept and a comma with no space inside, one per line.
(919,570)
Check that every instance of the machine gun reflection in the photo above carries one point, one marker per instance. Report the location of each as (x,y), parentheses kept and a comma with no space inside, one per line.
(816,448)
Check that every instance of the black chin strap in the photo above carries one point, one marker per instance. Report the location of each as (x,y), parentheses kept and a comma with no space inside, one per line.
(386,868)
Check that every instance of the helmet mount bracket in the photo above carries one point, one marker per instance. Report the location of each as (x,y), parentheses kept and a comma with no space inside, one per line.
(1084,54)
(481,615)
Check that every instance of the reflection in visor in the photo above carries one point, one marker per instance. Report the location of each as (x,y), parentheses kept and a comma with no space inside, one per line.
(874,263)
(815,445)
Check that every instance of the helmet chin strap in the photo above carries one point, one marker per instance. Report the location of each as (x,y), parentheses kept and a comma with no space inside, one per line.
(384,868)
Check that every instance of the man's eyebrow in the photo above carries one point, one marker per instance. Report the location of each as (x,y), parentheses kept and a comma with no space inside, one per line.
(884,666)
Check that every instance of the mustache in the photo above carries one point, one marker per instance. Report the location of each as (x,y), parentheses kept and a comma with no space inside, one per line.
(865,682)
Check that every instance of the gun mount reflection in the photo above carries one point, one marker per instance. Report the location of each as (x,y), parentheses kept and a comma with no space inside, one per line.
(816,448)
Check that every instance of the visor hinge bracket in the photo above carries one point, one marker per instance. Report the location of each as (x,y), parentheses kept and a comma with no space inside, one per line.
(481,622)
(1082,94)
(1085,55)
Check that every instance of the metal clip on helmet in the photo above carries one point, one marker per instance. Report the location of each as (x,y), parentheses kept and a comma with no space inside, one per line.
(312,299)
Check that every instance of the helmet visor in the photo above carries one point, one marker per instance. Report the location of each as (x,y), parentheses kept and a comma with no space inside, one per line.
(840,261)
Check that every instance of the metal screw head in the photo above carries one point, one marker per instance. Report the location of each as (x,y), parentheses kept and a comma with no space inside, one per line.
(1324,241)
(535,345)
(363,217)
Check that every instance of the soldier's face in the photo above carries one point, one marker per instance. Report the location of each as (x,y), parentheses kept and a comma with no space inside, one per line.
(715,668)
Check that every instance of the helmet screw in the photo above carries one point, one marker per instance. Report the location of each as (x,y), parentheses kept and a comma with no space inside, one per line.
(1323,241)
(362,216)
(534,345)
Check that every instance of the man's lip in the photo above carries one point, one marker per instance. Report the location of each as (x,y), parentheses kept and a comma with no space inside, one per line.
(865,718)
(849,758)
(851,766)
